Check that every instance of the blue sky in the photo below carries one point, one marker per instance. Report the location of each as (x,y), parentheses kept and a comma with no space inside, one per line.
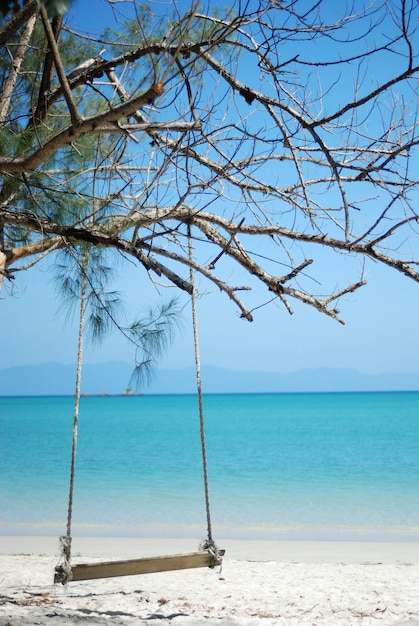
(380,333)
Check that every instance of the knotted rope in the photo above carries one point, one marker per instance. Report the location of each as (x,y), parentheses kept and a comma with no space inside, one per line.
(209,544)
(64,569)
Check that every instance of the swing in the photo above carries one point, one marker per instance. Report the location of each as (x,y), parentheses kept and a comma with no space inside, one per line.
(208,556)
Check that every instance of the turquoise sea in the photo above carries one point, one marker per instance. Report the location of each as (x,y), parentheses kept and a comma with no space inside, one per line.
(282,466)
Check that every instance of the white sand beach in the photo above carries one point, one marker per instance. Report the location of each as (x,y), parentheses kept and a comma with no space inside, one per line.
(260,582)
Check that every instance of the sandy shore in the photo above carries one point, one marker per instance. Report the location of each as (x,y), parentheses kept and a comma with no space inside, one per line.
(260,582)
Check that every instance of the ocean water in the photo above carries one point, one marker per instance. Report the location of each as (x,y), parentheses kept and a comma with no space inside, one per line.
(283,466)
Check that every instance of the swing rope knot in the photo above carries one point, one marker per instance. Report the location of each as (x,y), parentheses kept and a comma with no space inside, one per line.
(63,572)
(210,546)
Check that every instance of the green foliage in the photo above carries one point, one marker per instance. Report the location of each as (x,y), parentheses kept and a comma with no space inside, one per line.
(101,305)
(150,334)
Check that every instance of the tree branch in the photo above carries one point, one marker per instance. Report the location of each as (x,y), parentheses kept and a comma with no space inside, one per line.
(47,73)
(94,236)
(15,68)
(87,126)
(14,23)
(76,118)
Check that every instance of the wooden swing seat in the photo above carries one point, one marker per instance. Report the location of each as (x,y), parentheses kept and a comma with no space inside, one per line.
(109,569)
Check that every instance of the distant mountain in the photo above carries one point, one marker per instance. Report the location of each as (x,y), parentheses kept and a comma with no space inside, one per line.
(113,378)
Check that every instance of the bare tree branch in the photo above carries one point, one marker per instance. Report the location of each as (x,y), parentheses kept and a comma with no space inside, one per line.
(13,76)
(279,134)
(85,127)
(14,23)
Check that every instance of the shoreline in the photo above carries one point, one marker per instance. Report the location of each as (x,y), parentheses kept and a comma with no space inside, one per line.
(236,549)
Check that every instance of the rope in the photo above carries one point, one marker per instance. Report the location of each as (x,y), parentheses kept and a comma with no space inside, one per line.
(65,541)
(209,543)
